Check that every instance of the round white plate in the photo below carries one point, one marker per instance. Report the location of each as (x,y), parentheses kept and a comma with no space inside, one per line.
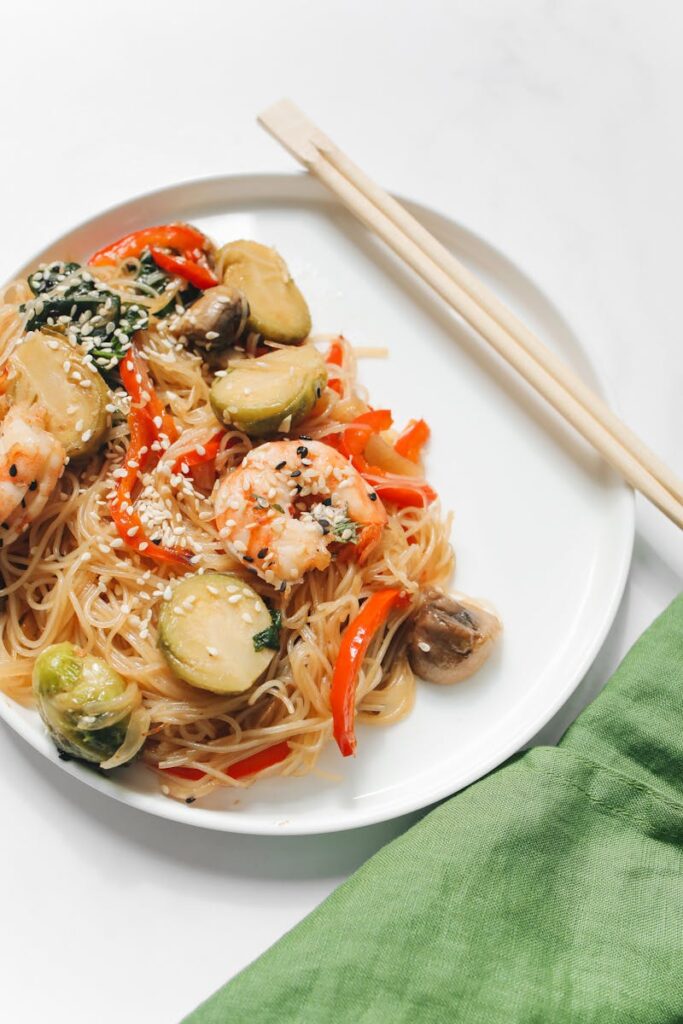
(542,528)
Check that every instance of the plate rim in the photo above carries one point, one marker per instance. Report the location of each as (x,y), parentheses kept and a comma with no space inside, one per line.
(236,821)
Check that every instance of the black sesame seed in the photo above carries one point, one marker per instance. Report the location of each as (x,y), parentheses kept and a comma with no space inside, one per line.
(190,799)
(283,585)
(32,486)
(302,450)
(248,558)
(23,502)
(297,472)
(372,496)
(262,553)
(324,523)
(298,488)
(327,501)
(281,465)
(156,540)
(318,392)
(13,470)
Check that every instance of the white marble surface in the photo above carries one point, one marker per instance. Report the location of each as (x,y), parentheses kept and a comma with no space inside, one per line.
(551,128)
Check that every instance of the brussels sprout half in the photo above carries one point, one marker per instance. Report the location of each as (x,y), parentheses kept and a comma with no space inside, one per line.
(87,707)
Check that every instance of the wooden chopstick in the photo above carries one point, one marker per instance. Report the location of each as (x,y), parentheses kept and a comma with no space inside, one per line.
(472,300)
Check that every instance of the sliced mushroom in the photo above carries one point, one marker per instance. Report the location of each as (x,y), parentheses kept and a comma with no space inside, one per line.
(450,638)
(216,320)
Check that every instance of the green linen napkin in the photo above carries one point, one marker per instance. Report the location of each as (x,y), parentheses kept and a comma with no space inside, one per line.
(550,891)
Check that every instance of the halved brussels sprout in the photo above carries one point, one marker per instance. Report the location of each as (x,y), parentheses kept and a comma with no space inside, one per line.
(50,372)
(277,309)
(276,391)
(89,710)
(207,632)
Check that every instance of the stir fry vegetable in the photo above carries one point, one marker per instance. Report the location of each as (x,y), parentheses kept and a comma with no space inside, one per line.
(354,644)
(148,422)
(190,270)
(70,301)
(215,321)
(412,440)
(274,392)
(403,491)
(89,710)
(48,371)
(181,237)
(241,769)
(207,631)
(277,309)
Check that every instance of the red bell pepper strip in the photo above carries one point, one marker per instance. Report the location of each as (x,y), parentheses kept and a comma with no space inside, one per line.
(335,357)
(247,766)
(190,270)
(194,458)
(412,440)
(403,491)
(354,644)
(126,519)
(182,237)
(138,383)
(148,420)
(353,439)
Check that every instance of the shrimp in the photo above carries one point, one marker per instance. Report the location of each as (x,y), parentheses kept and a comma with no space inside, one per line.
(31,463)
(288,503)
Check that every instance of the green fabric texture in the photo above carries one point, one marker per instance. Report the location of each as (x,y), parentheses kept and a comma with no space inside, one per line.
(550,891)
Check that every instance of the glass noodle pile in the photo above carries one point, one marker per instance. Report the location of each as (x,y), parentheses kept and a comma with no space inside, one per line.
(162,598)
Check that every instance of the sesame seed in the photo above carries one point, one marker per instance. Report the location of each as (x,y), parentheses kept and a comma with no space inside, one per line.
(424,646)
(212,652)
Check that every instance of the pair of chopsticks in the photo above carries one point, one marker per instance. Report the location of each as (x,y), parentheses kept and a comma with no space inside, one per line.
(479,307)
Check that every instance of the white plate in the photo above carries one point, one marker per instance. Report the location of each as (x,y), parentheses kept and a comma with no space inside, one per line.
(542,528)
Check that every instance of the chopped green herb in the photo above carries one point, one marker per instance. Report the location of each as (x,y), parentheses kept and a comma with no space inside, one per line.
(345,530)
(270,637)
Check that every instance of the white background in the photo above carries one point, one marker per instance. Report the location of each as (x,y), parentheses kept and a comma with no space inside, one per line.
(552,129)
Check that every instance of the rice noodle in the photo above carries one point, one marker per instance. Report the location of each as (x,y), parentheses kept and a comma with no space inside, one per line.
(70,578)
